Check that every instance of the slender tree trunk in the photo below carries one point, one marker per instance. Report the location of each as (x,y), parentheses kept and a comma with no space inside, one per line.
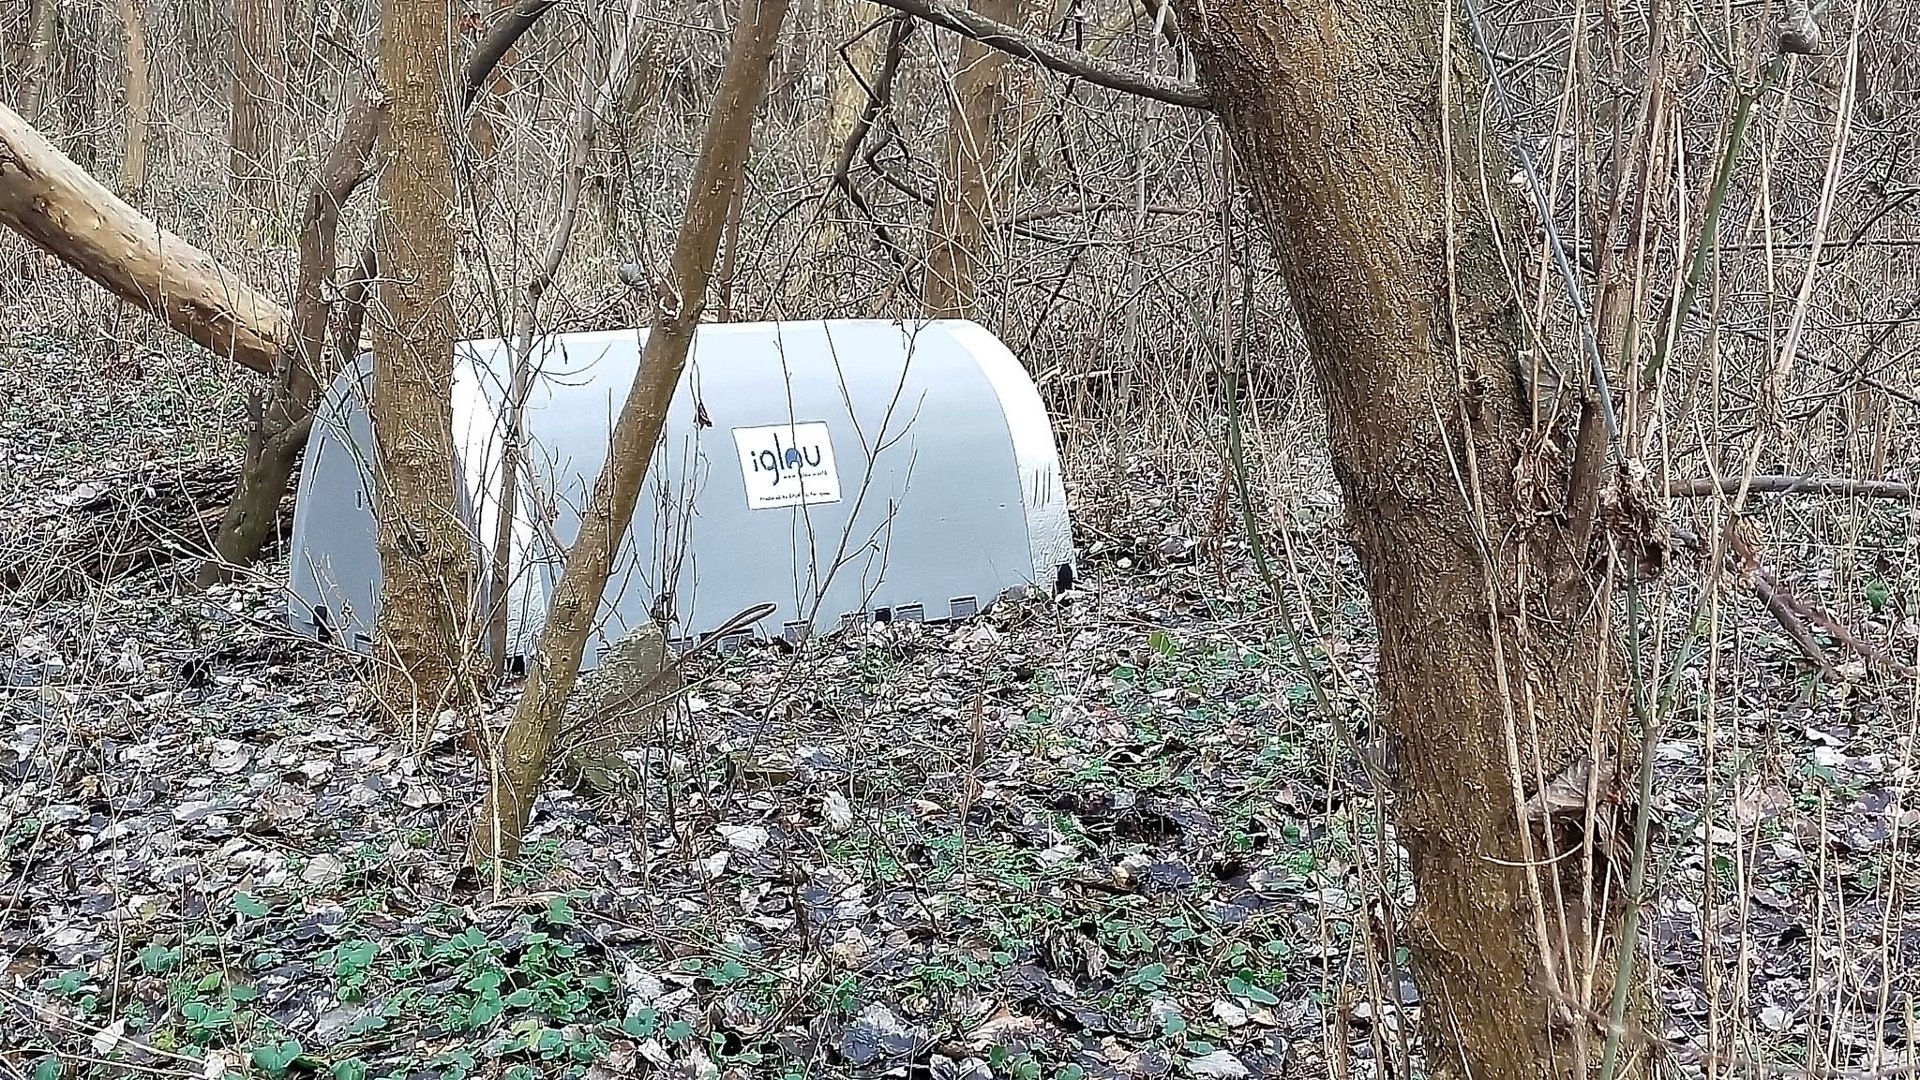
(855,50)
(285,421)
(1335,116)
(962,201)
(988,104)
(255,125)
(139,100)
(426,553)
(41,23)
(521,762)
(77,61)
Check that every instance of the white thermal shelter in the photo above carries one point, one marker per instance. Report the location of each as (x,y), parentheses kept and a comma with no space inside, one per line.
(842,470)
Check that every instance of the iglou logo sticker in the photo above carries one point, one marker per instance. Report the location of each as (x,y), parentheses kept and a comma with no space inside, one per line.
(787,465)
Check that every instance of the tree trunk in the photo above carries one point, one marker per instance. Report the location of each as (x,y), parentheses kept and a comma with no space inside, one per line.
(521,762)
(986,90)
(1335,117)
(139,100)
(52,202)
(41,20)
(426,552)
(855,50)
(77,61)
(249,519)
(258,99)
(285,422)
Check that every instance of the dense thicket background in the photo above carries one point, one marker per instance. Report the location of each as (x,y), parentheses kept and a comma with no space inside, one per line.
(1115,836)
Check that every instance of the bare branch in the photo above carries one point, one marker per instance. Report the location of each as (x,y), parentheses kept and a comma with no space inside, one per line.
(1791,485)
(504,35)
(1053,56)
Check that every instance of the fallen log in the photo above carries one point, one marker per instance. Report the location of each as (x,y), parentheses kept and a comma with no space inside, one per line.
(53,202)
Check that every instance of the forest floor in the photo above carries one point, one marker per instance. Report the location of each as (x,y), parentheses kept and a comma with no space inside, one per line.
(1108,835)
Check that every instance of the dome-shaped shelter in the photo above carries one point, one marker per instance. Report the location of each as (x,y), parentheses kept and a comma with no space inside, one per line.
(842,471)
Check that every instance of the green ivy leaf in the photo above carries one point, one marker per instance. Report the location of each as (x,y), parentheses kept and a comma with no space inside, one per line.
(1876,591)
(1150,977)
(157,959)
(1241,986)
(276,1057)
(486,1009)
(642,1024)
(248,906)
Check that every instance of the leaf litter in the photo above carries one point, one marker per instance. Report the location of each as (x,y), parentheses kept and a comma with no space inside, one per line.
(1103,836)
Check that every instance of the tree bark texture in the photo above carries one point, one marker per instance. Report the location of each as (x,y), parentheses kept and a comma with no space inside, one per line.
(258,104)
(1334,114)
(54,203)
(521,762)
(38,69)
(427,554)
(79,82)
(986,90)
(139,100)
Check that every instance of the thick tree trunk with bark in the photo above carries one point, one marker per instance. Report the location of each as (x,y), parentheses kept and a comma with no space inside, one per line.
(54,203)
(1335,115)
(258,103)
(520,764)
(427,561)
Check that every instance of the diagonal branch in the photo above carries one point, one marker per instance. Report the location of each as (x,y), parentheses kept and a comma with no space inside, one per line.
(1053,56)
(503,37)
